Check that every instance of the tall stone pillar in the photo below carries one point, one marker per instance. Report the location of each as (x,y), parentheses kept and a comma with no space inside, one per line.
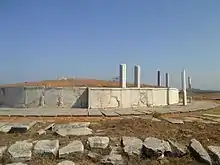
(158,79)
(184,87)
(122,76)
(137,76)
(190,88)
(168,87)
(167,80)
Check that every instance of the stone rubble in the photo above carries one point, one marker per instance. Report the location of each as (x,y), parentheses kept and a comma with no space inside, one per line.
(151,147)
(215,150)
(2,151)
(98,142)
(73,147)
(112,159)
(47,147)
(178,150)
(132,145)
(199,151)
(20,151)
(66,162)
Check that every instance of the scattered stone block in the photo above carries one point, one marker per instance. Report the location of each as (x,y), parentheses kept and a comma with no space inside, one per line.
(70,125)
(19,163)
(178,150)
(83,131)
(132,145)
(2,151)
(66,162)
(20,151)
(173,121)
(93,155)
(153,147)
(74,147)
(108,113)
(155,119)
(215,151)
(98,142)
(47,147)
(112,159)
(41,132)
(199,151)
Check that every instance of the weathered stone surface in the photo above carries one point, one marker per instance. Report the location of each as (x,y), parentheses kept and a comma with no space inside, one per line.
(19,163)
(155,119)
(173,121)
(47,147)
(20,151)
(199,151)
(17,127)
(153,147)
(66,162)
(112,159)
(21,127)
(81,131)
(70,125)
(178,149)
(108,113)
(74,147)
(2,151)
(215,150)
(93,155)
(41,132)
(98,142)
(132,145)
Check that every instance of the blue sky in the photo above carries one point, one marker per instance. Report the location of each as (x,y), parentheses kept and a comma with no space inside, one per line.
(43,39)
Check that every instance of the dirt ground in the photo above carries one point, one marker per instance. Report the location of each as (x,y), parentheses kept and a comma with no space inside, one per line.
(207,134)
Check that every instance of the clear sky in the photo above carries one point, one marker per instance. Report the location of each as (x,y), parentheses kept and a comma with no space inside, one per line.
(43,39)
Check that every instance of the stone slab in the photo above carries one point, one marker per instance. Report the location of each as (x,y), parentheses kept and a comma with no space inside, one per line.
(173,121)
(82,112)
(94,112)
(109,113)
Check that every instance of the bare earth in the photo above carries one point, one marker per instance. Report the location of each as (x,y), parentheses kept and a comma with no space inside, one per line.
(141,127)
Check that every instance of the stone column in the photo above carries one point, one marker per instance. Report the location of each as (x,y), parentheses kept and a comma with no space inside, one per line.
(137,76)
(122,76)
(168,88)
(190,88)
(167,80)
(158,79)
(184,87)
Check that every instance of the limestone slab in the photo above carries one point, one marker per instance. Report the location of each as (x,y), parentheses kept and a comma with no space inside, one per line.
(2,151)
(132,145)
(109,113)
(173,121)
(199,150)
(82,112)
(20,151)
(112,159)
(81,131)
(98,142)
(94,112)
(70,125)
(215,150)
(179,150)
(74,147)
(66,162)
(47,147)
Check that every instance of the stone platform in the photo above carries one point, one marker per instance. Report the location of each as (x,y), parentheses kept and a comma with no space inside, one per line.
(76,112)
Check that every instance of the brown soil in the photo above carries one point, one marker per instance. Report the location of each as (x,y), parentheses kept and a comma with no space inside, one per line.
(73,82)
(207,134)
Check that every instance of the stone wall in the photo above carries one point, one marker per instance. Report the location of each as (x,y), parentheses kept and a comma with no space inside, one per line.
(12,96)
(74,97)
(131,97)
(82,97)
